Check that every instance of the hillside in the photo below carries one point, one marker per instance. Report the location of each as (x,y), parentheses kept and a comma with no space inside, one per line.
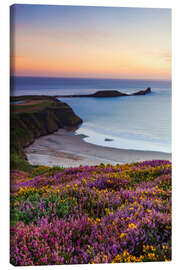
(97,214)
(35,116)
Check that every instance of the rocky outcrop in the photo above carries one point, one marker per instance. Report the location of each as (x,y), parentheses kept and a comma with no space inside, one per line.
(145,92)
(109,93)
(112,93)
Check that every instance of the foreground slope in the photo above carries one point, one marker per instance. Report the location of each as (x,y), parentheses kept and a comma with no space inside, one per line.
(94,214)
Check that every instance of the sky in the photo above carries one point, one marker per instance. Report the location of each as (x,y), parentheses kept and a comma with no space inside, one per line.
(90,42)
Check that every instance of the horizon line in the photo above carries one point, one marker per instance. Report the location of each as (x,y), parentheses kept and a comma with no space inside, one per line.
(93,78)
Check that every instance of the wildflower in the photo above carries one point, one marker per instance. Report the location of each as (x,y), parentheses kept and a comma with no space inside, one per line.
(98,220)
(132,226)
(56,220)
(122,235)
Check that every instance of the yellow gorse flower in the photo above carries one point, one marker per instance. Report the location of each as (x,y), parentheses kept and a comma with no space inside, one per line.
(122,235)
(132,226)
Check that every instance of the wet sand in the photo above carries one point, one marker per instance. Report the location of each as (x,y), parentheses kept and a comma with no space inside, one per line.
(64,148)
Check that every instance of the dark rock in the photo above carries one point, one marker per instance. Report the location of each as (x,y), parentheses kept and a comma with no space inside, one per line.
(108,140)
(143,92)
(111,93)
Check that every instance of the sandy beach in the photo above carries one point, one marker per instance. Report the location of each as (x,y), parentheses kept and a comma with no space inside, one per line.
(65,148)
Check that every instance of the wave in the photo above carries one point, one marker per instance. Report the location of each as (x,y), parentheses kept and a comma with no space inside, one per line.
(127,140)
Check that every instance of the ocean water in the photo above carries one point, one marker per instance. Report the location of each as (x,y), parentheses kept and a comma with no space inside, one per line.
(135,122)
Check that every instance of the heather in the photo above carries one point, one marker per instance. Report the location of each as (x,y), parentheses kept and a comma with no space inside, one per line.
(91,214)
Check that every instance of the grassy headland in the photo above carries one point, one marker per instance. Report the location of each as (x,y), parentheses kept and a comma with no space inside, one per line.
(32,117)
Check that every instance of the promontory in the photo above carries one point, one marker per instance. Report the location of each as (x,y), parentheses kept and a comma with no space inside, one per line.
(108,93)
(35,116)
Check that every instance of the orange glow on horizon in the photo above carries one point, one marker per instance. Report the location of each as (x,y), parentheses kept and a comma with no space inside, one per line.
(91,46)
(132,66)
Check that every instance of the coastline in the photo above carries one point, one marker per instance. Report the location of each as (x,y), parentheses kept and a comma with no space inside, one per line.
(64,148)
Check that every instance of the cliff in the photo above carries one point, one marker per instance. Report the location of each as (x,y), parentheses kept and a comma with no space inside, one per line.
(35,116)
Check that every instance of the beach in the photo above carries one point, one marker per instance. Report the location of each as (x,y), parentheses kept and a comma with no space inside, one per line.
(65,148)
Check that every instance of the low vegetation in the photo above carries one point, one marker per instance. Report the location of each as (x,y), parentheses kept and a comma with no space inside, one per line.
(97,214)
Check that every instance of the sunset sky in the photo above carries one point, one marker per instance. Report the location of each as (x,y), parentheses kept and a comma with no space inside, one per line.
(94,42)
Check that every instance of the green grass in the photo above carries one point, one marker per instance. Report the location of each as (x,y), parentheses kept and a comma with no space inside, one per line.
(54,205)
(18,162)
(50,171)
(31,107)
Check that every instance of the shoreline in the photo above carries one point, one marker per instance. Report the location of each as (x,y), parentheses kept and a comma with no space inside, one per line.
(66,149)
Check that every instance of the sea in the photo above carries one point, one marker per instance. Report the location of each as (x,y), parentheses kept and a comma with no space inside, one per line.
(134,122)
